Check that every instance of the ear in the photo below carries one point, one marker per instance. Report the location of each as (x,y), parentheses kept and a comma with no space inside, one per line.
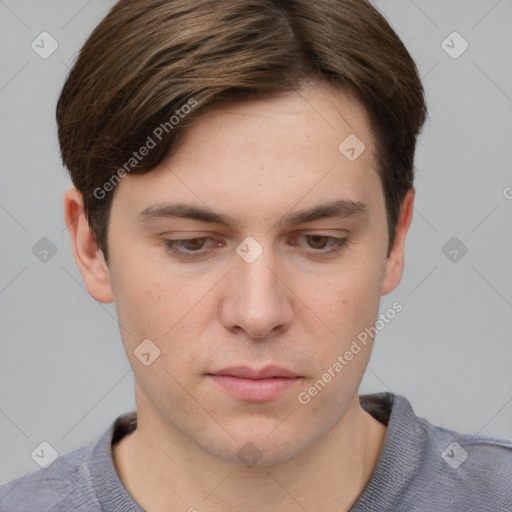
(89,258)
(395,261)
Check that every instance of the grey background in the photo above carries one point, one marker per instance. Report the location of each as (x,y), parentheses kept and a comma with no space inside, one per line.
(63,374)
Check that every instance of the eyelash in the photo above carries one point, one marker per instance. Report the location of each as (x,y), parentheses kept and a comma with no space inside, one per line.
(172,246)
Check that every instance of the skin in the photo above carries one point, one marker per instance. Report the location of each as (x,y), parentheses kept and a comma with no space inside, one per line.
(293,306)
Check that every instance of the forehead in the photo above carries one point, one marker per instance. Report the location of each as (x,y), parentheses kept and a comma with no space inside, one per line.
(263,151)
(315,112)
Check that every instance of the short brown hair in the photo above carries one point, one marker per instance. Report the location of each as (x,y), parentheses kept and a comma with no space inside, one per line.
(149,58)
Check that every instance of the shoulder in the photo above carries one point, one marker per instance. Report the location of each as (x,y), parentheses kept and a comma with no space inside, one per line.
(464,471)
(62,484)
(486,458)
(71,482)
(425,467)
(84,479)
(454,448)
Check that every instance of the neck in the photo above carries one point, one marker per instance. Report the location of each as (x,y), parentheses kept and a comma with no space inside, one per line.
(158,469)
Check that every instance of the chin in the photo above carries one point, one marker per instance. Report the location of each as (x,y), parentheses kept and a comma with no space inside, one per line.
(264,445)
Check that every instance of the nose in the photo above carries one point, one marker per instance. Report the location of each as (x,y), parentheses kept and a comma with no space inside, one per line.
(257,299)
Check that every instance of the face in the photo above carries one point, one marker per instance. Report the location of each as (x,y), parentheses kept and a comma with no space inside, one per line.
(252,285)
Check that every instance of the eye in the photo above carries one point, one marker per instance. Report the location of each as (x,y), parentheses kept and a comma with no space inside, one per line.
(192,246)
(323,244)
(317,241)
(198,247)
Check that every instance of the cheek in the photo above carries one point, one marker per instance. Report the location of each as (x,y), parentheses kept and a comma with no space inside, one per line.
(148,308)
(170,309)
(348,306)
(143,289)
(346,300)
(146,305)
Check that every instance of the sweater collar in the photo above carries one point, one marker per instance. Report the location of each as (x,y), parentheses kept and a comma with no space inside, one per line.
(397,463)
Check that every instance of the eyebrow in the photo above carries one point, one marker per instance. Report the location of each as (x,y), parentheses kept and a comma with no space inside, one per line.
(340,209)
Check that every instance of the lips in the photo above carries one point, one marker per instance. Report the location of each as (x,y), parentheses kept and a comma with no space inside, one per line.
(245,372)
(255,385)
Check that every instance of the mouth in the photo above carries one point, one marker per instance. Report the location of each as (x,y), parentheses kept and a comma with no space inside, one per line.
(255,385)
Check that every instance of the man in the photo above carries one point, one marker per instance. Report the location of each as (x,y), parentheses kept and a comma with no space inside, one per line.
(243,177)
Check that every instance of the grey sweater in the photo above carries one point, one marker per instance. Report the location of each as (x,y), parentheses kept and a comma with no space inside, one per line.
(421,468)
